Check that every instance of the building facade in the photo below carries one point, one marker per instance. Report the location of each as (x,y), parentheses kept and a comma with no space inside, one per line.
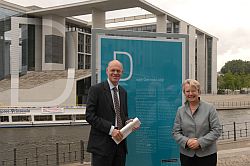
(42,39)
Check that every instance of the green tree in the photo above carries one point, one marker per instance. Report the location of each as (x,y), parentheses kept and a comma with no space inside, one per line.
(235,74)
(236,67)
(220,82)
(247,81)
(229,81)
(239,81)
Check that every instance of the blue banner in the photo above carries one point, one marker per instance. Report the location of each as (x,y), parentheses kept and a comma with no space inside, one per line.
(152,77)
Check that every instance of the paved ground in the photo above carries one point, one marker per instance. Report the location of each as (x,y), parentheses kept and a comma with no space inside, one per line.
(234,153)
(234,157)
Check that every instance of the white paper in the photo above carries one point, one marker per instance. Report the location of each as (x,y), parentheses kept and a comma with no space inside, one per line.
(126,130)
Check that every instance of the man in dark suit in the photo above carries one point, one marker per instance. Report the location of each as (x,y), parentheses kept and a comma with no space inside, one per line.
(106,119)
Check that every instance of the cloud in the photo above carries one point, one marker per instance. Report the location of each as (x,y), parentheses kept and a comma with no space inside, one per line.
(233,39)
(233,44)
(240,53)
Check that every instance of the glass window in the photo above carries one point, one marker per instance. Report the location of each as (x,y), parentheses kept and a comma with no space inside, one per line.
(176,27)
(43,117)
(196,60)
(5,42)
(88,44)
(209,65)
(80,61)
(82,90)
(149,28)
(53,49)
(139,29)
(169,27)
(22,118)
(4,119)
(63,117)
(144,28)
(88,62)
(80,42)
(80,117)
(153,28)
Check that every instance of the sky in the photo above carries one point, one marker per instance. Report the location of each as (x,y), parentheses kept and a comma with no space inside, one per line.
(228,20)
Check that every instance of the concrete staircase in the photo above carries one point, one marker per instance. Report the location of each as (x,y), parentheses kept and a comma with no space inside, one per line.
(33,78)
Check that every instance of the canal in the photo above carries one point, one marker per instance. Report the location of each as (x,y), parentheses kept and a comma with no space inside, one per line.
(238,116)
(41,142)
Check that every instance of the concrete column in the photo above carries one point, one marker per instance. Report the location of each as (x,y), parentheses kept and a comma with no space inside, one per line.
(15,59)
(161,24)
(214,65)
(38,46)
(201,62)
(98,18)
(98,21)
(183,27)
(191,32)
(53,25)
(15,49)
(2,57)
(6,58)
(71,50)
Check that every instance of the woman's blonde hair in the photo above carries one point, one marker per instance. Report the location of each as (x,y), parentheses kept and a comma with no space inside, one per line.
(192,83)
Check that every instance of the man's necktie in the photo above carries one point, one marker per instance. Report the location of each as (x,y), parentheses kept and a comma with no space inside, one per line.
(117,109)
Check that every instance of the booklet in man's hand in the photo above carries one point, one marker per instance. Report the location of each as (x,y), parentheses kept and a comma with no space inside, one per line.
(126,130)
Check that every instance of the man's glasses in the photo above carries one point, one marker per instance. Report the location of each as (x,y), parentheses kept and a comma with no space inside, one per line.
(116,71)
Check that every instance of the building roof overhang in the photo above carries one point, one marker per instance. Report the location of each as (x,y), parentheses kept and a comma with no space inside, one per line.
(86,7)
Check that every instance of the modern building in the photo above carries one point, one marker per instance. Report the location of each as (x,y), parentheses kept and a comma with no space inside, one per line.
(51,39)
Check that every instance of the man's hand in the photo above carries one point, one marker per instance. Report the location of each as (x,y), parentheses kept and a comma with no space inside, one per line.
(193,143)
(117,135)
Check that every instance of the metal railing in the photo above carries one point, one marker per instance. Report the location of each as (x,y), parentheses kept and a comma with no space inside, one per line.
(235,131)
(47,155)
(231,104)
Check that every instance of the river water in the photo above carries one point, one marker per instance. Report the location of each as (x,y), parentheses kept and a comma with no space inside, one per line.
(47,137)
(41,141)
(238,116)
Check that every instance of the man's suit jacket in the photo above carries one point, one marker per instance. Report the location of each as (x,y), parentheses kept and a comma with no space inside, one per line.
(100,114)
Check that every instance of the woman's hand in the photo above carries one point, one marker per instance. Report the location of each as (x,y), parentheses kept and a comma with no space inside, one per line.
(193,143)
